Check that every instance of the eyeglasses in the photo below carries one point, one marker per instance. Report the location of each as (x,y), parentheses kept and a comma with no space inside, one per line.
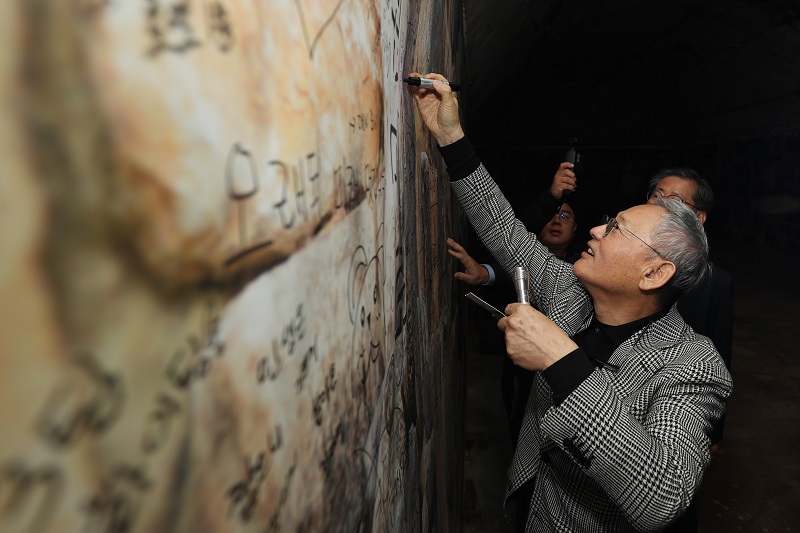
(564,215)
(673,196)
(612,223)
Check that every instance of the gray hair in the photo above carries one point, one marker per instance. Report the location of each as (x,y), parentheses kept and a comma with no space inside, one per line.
(703,197)
(680,237)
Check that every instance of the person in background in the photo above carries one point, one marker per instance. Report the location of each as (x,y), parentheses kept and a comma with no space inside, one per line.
(709,307)
(551,212)
(615,436)
(557,233)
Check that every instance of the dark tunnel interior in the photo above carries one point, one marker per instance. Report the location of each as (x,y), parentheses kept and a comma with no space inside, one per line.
(709,84)
(713,85)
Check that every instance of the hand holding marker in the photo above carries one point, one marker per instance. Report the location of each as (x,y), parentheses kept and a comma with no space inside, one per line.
(427,83)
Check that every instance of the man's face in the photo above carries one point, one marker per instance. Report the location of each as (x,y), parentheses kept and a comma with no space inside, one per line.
(672,186)
(560,230)
(614,264)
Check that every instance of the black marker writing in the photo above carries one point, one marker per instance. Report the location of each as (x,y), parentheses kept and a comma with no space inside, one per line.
(311,354)
(72,410)
(295,178)
(332,443)
(394,151)
(294,331)
(323,397)
(345,183)
(115,508)
(219,26)
(29,496)
(274,523)
(192,360)
(241,182)
(270,366)
(244,494)
(169,28)
(157,426)
(312,40)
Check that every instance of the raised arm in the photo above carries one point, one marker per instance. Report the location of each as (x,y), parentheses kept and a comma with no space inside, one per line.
(553,284)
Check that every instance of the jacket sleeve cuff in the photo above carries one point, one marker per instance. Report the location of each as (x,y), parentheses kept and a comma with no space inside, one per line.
(567,373)
(460,158)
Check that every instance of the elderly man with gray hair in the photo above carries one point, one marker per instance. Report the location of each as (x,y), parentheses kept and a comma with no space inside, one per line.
(615,436)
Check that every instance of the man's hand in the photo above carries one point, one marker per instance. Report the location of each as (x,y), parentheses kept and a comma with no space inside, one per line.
(439,109)
(564,180)
(474,273)
(533,341)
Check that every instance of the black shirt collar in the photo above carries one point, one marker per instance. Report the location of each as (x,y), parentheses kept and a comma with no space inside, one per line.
(619,334)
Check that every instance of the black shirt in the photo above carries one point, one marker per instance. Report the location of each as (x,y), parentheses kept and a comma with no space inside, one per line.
(595,346)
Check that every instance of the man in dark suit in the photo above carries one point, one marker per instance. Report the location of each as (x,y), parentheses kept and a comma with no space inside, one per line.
(616,432)
(708,308)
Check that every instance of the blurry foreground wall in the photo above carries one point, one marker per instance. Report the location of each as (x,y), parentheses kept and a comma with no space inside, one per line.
(225,298)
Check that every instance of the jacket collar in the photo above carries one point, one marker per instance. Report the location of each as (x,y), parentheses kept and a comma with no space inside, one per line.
(648,345)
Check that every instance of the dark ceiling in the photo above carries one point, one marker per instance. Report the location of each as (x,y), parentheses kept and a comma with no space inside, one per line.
(630,72)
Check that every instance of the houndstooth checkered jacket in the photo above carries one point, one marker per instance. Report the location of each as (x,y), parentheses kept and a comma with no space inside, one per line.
(627,449)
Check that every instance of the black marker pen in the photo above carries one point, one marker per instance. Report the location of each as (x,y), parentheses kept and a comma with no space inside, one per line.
(427,83)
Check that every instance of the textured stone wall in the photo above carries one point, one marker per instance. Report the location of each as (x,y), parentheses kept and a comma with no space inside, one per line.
(226,302)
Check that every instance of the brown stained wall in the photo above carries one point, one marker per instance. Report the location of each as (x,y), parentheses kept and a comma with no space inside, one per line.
(225,298)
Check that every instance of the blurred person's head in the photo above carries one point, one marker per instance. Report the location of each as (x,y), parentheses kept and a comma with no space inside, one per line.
(557,234)
(683,185)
